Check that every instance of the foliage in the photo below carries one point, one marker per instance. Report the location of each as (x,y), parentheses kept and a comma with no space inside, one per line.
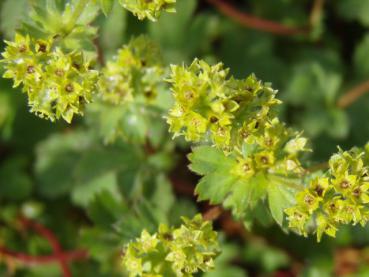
(105,190)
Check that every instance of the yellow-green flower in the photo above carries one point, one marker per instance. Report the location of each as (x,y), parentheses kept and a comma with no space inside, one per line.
(297,220)
(58,85)
(135,74)
(325,225)
(264,159)
(244,168)
(148,9)
(181,251)
(307,201)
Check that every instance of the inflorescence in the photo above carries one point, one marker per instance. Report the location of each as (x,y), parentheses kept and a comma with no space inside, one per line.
(57,84)
(150,9)
(181,251)
(338,197)
(236,116)
(135,74)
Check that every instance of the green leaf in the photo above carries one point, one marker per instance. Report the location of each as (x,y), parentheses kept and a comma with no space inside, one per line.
(206,159)
(169,30)
(163,196)
(313,79)
(112,30)
(101,160)
(56,161)
(15,184)
(12,13)
(361,59)
(354,10)
(338,123)
(89,13)
(314,122)
(266,257)
(245,194)
(105,209)
(215,187)
(106,6)
(101,245)
(280,197)
(219,185)
(84,193)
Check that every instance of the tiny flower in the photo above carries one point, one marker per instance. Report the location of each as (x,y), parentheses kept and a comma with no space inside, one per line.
(307,201)
(297,219)
(345,183)
(319,186)
(324,225)
(264,159)
(296,145)
(244,168)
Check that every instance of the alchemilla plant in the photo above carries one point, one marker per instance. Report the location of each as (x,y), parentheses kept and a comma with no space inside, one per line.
(130,112)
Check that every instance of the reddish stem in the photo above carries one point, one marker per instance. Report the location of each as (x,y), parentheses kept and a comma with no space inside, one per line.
(58,254)
(213,213)
(353,94)
(54,243)
(254,22)
(46,259)
(100,52)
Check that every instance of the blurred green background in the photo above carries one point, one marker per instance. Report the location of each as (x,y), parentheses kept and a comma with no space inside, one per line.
(45,168)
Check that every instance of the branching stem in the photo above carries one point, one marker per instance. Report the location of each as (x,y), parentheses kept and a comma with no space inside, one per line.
(58,256)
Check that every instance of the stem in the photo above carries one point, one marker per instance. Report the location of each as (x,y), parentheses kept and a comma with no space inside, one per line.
(316,12)
(45,259)
(213,213)
(58,254)
(100,52)
(353,94)
(51,238)
(254,22)
(320,166)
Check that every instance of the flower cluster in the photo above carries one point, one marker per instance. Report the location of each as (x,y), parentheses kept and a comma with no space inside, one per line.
(236,116)
(136,73)
(132,93)
(209,102)
(183,251)
(338,197)
(273,149)
(57,84)
(150,9)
